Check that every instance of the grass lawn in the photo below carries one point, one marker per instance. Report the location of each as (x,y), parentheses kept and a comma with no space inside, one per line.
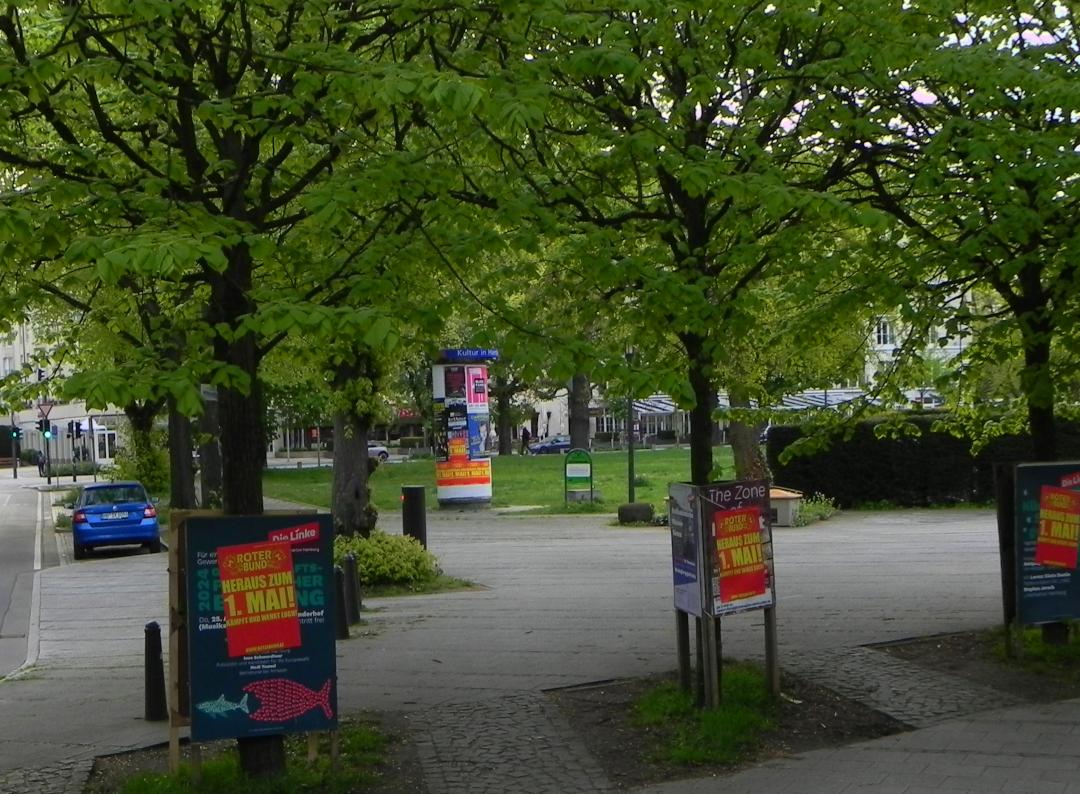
(516,479)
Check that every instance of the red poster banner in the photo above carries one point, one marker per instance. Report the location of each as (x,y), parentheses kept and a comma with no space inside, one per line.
(1059,527)
(740,561)
(259,594)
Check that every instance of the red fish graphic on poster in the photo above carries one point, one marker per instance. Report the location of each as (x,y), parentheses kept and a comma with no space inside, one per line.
(258,590)
(281,699)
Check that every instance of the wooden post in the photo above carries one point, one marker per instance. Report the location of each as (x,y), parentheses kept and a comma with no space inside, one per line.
(772,661)
(699,670)
(682,643)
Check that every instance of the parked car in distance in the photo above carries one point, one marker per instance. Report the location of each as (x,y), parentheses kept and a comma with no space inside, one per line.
(550,445)
(376,450)
(114,514)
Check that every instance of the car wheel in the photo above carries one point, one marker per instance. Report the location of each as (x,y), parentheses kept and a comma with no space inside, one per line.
(80,551)
(154,546)
(383,456)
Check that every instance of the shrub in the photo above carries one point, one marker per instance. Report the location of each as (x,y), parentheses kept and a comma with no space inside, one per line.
(411,442)
(817,507)
(150,465)
(383,559)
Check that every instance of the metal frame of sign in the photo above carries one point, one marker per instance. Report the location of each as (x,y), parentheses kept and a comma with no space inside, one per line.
(259,659)
(577,458)
(1042,593)
(722,563)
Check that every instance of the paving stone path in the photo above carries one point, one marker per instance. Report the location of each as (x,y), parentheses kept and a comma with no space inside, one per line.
(519,743)
(915,695)
(67,777)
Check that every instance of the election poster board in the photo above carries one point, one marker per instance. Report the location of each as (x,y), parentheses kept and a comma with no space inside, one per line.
(721,547)
(260,625)
(738,538)
(686,546)
(1046,539)
(462,423)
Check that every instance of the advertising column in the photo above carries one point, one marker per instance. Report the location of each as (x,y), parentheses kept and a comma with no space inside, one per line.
(462,426)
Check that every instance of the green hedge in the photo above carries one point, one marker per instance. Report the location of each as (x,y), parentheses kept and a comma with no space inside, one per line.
(930,469)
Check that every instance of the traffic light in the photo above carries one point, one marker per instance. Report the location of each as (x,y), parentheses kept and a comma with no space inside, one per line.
(45,428)
(78,429)
(16,434)
(71,429)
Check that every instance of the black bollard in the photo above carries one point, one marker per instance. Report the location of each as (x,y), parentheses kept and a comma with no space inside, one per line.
(154,675)
(413,513)
(341,618)
(352,597)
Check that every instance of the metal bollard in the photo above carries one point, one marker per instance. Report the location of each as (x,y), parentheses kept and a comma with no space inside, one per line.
(341,619)
(155,708)
(352,597)
(413,513)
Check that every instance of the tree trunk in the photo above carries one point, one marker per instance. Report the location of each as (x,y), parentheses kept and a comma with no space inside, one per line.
(579,398)
(239,410)
(1038,387)
(181,470)
(241,427)
(210,451)
(701,415)
(745,441)
(351,496)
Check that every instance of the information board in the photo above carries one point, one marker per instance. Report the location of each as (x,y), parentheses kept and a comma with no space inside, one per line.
(1047,524)
(686,548)
(721,547)
(261,640)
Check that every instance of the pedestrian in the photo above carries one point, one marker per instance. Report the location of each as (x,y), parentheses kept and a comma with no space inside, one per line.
(525,436)
(39,459)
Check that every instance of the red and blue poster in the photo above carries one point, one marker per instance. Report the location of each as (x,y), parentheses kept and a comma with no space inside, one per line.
(740,560)
(261,638)
(1059,527)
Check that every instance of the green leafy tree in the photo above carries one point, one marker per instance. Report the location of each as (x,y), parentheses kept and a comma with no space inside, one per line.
(973,153)
(680,151)
(206,145)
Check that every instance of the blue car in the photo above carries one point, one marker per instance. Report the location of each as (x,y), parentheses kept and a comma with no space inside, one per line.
(550,446)
(114,514)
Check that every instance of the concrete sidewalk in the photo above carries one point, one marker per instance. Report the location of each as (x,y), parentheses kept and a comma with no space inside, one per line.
(571,600)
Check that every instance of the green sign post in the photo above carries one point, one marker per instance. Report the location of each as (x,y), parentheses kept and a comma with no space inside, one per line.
(578,474)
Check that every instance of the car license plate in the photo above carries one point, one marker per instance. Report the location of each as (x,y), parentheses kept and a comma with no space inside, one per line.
(113,516)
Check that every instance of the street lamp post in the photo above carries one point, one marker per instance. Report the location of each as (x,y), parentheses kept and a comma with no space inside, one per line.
(630,448)
(630,435)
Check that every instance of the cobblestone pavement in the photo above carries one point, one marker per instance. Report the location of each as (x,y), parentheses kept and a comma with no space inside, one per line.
(515,744)
(915,695)
(68,777)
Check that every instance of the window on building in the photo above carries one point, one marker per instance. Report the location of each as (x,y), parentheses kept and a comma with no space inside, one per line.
(885,335)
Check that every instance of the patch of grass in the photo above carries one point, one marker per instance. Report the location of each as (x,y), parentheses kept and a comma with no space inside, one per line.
(571,508)
(725,735)
(363,748)
(440,584)
(516,479)
(1061,662)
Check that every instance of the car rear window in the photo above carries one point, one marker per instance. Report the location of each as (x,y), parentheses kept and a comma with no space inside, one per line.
(101,496)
